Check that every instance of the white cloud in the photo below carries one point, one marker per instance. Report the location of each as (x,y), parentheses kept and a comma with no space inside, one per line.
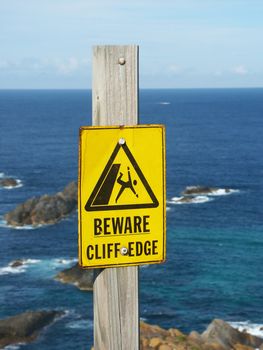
(240,70)
(69,66)
(3,64)
(66,66)
(175,69)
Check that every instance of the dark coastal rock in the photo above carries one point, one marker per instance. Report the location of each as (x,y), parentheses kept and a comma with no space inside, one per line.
(17,263)
(185,199)
(83,279)
(202,190)
(8,182)
(47,209)
(25,327)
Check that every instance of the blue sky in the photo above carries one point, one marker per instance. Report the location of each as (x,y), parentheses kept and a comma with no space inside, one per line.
(183,43)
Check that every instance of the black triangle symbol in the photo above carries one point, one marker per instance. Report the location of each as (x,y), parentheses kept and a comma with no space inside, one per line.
(100,196)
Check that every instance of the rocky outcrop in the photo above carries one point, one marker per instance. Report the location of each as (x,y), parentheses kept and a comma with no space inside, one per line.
(155,337)
(227,337)
(8,182)
(47,209)
(218,336)
(25,327)
(83,279)
(17,263)
(203,190)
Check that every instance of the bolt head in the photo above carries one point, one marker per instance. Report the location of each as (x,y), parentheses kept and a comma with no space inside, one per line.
(124,251)
(122,61)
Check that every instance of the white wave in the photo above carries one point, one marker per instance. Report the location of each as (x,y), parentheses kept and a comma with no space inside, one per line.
(45,267)
(249,327)
(222,192)
(168,208)
(25,227)
(12,187)
(201,199)
(189,200)
(4,224)
(164,103)
(2,175)
(174,200)
(144,266)
(80,324)
(31,261)
(13,347)
(50,266)
(11,268)
(63,261)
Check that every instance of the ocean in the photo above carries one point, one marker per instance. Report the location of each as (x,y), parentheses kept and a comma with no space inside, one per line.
(214,266)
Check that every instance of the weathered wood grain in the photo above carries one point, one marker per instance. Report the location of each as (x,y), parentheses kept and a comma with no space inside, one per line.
(115,85)
(115,102)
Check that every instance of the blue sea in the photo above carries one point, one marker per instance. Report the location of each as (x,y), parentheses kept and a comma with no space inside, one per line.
(214,266)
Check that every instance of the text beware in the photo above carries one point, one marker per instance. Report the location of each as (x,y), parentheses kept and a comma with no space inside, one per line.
(121,225)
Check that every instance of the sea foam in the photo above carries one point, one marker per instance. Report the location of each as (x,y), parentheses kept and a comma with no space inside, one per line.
(249,327)
(25,227)
(222,192)
(80,324)
(63,261)
(12,269)
(189,200)
(4,224)
(13,347)
(45,266)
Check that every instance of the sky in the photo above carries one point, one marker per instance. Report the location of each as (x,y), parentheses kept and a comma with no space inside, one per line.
(182,43)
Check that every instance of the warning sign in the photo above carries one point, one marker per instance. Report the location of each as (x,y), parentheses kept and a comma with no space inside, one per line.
(121,195)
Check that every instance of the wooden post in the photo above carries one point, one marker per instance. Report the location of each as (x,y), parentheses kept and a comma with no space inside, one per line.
(115,102)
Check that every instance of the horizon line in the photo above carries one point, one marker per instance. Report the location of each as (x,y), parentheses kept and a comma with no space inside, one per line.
(143,88)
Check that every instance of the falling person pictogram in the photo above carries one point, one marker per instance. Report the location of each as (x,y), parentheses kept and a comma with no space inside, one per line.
(126,184)
(101,198)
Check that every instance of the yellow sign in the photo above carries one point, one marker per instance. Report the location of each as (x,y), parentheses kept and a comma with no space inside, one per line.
(121,195)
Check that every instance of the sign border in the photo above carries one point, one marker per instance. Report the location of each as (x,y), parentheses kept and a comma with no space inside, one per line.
(146,126)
